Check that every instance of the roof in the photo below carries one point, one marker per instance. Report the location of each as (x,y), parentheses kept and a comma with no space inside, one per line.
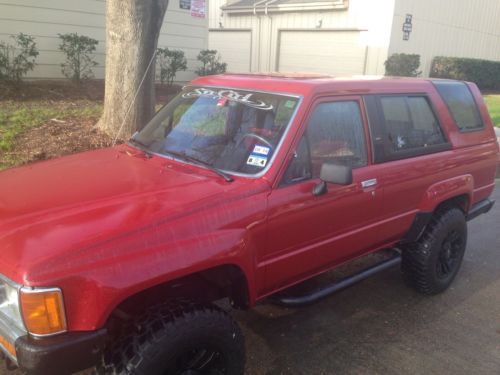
(245,6)
(304,84)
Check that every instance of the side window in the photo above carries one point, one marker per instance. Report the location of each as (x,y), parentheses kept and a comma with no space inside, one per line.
(334,134)
(410,124)
(300,166)
(461,104)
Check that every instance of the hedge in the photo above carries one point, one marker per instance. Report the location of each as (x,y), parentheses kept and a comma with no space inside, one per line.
(484,73)
(402,65)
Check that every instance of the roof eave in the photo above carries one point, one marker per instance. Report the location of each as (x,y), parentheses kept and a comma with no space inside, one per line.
(260,8)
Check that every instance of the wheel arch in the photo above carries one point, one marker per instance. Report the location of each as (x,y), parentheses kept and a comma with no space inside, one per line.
(455,192)
(209,285)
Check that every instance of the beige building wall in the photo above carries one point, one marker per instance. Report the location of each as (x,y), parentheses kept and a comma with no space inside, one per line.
(459,28)
(45,19)
(374,18)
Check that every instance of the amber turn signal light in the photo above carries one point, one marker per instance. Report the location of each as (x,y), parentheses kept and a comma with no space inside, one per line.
(8,346)
(43,311)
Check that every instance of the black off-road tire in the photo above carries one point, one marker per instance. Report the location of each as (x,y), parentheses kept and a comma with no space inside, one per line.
(167,338)
(431,264)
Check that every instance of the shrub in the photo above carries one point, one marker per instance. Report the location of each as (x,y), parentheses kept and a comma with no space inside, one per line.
(211,63)
(171,62)
(79,56)
(17,59)
(484,73)
(403,65)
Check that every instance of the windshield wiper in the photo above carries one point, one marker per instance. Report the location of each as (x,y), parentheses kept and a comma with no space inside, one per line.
(142,147)
(204,164)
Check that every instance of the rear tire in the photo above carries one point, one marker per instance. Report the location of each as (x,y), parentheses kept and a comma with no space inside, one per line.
(431,264)
(178,338)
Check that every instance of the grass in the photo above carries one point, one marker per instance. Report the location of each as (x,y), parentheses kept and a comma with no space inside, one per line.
(493,104)
(16,118)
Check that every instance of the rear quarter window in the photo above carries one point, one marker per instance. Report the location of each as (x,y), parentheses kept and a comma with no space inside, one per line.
(403,126)
(409,123)
(461,104)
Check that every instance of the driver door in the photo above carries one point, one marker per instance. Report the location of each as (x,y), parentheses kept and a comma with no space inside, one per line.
(308,233)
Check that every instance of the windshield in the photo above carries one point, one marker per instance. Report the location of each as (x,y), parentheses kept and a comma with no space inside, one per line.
(231,130)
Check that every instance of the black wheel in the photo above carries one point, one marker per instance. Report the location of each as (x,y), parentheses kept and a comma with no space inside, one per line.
(431,264)
(182,338)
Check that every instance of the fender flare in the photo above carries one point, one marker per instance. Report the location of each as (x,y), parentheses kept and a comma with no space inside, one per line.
(435,195)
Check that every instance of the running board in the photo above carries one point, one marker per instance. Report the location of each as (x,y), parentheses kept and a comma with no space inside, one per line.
(304,300)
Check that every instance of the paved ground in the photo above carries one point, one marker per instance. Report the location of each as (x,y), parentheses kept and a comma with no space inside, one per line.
(382,327)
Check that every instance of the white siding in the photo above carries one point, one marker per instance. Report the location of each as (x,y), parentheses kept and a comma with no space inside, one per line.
(459,28)
(373,17)
(338,53)
(214,13)
(234,47)
(46,19)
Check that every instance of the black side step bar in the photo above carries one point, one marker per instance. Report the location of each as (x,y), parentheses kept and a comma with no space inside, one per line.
(479,208)
(304,300)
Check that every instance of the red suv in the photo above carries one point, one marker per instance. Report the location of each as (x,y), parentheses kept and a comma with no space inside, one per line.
(242,186)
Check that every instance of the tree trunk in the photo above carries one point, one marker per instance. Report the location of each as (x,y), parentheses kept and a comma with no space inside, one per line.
(132,31)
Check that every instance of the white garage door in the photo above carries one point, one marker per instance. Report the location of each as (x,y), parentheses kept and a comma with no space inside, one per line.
(234,47)
(331,52)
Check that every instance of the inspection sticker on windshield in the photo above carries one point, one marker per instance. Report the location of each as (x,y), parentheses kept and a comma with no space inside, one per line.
(257,160)
(290,104)
(261,150)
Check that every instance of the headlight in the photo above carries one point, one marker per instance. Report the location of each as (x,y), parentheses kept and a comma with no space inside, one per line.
(9,303)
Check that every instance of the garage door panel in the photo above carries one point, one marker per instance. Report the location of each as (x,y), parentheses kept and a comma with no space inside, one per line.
(331,52)
(234,48)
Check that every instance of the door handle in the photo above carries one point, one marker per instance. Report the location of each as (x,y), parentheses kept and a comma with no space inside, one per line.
(369,183)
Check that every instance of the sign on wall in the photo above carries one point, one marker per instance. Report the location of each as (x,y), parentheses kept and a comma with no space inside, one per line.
(198,8)
(407,27)
(185,4)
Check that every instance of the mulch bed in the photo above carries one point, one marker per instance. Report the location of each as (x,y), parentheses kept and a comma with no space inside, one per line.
(58,138)
(66,90)
(53,90)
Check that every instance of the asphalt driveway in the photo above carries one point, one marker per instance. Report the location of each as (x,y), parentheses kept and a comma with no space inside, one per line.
(382,327)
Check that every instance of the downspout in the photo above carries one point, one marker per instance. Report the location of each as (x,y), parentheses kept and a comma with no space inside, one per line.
(269,69)
(259,38)
(259,66)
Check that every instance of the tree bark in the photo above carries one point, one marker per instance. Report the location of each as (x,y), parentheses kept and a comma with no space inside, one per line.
(132,31)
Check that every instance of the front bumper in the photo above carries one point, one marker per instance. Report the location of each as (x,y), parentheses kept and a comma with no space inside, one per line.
(61,354)
(9,333)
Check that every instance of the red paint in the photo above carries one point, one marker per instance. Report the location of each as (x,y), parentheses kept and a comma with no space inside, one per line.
(106,224)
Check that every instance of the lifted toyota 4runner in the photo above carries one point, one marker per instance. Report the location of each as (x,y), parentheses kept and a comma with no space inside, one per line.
(240,187)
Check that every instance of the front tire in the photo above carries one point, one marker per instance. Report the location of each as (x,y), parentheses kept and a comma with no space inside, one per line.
(178,338)
(431,264)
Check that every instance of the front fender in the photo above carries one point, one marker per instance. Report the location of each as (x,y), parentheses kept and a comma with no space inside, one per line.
(90,297)
(97,278)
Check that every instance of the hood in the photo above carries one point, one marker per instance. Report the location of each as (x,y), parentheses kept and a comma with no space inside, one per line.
(51,208)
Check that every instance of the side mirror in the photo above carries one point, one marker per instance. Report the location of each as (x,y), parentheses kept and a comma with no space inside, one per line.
(334,174)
